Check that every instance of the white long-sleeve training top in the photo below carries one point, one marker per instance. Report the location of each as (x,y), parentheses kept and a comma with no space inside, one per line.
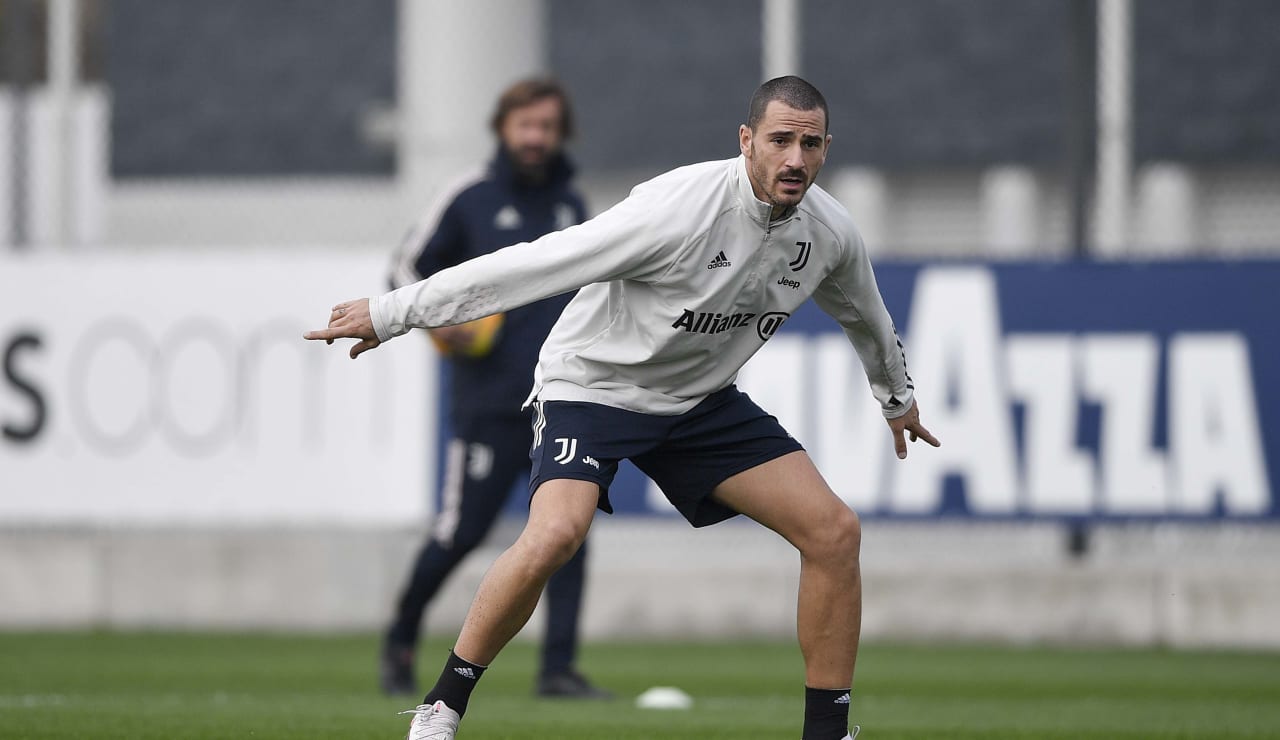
(681,283)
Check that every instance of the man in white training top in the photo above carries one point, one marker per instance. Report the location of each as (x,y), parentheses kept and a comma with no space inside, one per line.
(680,284)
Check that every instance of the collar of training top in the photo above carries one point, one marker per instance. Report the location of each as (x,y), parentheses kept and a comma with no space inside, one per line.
(758,210)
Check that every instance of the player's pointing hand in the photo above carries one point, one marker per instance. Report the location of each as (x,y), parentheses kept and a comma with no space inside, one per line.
(349,320)
(910,422)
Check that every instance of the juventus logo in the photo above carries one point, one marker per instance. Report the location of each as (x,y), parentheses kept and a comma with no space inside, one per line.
(801,259)
(568,449)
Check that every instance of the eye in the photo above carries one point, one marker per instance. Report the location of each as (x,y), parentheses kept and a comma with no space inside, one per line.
(778,140)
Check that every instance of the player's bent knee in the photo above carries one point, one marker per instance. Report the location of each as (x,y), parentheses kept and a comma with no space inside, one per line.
(551,545)
(853,531)
(839,538)
(847,534)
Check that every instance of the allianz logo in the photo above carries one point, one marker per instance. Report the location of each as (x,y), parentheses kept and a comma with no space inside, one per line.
(705,322)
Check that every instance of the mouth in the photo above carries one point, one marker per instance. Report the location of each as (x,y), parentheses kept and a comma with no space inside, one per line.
(532,154)
(791,181)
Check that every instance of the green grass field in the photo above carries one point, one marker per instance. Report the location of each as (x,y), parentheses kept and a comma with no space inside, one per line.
(139,686)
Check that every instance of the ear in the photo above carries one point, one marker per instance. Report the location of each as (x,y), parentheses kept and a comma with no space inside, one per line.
(826,148)
(744,140)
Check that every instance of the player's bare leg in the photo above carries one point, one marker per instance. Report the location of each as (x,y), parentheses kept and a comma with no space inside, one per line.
(560,514)
(789,496)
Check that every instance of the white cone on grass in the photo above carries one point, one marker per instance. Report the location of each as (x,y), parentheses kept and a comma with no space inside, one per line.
(664,697)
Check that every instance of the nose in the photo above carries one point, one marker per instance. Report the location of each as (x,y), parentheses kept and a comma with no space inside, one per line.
(540,135)
(794,157)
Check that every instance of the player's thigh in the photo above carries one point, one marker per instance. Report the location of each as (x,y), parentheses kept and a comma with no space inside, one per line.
(561,512)
(788,495)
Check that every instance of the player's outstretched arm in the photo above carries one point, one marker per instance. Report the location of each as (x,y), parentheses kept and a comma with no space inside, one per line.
(349,320)
(910,423)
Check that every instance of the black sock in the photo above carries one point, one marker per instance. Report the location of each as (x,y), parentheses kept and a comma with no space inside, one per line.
(826,714)
(456,682)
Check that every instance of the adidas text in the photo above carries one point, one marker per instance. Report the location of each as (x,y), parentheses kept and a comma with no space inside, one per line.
(465,672)
(719,261)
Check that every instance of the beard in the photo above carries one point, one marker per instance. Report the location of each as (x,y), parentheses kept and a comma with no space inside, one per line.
(770,183)
(532,158)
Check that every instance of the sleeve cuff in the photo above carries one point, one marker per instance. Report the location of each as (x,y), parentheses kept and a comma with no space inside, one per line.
(898,404)
(378,317)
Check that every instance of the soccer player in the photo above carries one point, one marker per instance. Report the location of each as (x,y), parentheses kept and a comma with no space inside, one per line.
(684,280)
(523,193)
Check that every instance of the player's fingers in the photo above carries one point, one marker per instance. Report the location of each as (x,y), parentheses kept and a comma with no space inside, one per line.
(362,346)
(925,435)
(326,334)
(340,327)
(336,330)
(900,444)
(913,435)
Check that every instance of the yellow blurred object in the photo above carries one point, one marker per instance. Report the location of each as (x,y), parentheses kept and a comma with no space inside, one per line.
(484,334)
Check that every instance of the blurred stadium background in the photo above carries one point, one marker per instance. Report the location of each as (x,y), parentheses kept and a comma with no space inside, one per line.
(1074,207)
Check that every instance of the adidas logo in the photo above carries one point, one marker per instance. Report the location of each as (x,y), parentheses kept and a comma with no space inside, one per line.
(842,700)
(508,218)
(565,217)
(719,261)
(468,673)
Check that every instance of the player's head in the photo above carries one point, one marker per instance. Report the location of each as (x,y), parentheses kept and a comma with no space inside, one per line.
(785,140)
(533,119)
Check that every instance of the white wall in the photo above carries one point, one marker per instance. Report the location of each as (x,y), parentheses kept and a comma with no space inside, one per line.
(1176,585)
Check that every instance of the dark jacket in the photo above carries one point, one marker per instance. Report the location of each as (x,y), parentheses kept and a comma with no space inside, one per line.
(481,214)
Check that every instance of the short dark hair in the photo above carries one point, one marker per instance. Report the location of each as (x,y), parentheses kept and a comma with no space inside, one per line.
(791,91)
(528,92)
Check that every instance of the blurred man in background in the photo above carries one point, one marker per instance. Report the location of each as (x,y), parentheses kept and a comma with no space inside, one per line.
(523,193)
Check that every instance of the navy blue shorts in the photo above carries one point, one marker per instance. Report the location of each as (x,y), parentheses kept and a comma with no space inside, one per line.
(686,455)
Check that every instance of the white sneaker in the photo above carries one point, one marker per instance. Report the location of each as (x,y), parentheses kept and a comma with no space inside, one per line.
(432,722)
